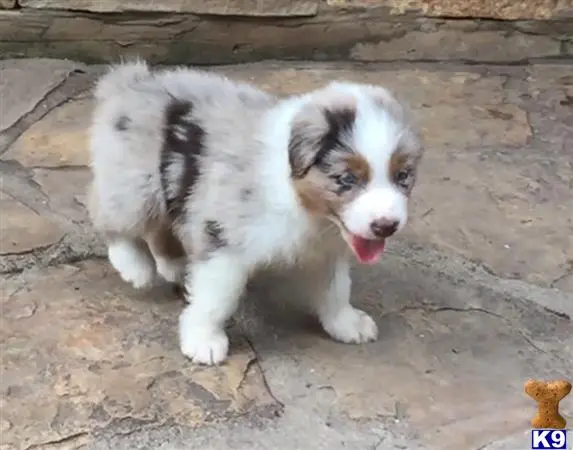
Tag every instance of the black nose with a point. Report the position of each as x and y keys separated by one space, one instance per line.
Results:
x=383 y=228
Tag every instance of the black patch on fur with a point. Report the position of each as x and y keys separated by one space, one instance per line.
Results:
x=186 y=138
x=215 y=235
x=246 y=194
x=122 y=123
x=339 y=121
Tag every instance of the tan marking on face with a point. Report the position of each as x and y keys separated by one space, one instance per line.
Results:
x=317 y=192
x=358 y=165
x=315 y=195
x=398 y=161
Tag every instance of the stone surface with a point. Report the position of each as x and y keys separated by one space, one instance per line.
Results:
x=220 y=7
x=25 y=82
x=7 y=4
x=86 y=353
x=485 y=46
x=67 y=198
x=451 y=360
x=59 y=139
x=89 y=362
x=332 y=34
x=23 y=230
x=486 y=9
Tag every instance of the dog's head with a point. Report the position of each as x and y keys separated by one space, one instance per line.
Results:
x=354 y=156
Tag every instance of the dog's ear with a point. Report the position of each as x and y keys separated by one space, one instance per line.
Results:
x=306 y=132
x=316 y=131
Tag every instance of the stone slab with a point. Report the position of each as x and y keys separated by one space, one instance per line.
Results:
x=484 y=46
x=25 y=82
x=59 y=139
x=485 y=9
x=23 y=230
x=272 y=8
x=87 y=361
x=454 y=350
x=332 y=34
x=68 y=198
x=81 y=352
x=7 y=4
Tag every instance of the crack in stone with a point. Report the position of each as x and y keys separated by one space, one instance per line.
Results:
x=378 y=443
x=508 y=322
x=64 y=440
x=568 y=272
x=61 y=168
x=42 y=108
x=42 y=257
x=487 y=444
x=252 y=362
x=32 y=251
x=436 y=309
x=256 y=362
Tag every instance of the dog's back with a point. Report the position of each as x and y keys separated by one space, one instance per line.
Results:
x=130 y=136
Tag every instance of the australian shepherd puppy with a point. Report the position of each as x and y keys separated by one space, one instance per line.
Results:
x=203 y=180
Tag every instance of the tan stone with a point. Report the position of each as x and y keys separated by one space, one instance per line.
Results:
x=331 y=34
x=23 y=229
x=457 y=99
x=80 y=350
x=67 y=198
x=59 y=139
x=7 y=4
x=221 y=7
x=24 y=83
x=69 y=27
x=448 y=350
x=486 y=46
x=495 y=9
x=487 y=9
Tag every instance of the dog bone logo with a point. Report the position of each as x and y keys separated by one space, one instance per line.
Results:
x=548 y=395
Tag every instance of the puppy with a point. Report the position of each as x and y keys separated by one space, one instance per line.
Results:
x=203 y=181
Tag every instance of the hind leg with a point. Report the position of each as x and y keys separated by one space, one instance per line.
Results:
x=133 y=260
x=170 y=257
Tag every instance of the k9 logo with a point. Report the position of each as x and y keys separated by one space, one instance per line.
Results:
x=548 y=439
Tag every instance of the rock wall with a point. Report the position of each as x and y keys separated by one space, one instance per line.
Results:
x=229 y=31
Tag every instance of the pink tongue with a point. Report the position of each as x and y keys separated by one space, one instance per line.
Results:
x=367 y=251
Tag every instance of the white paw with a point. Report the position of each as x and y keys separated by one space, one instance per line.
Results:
x=202 y=345
x=352 y=326
x=171 y=270
x=133 y=264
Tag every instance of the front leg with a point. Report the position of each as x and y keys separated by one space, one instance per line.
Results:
x=213 y=288
x=338 y=317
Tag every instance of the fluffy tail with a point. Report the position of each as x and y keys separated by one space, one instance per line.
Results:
x=121 y=77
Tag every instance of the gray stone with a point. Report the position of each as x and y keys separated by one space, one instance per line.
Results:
x=25 y=82
x=450 y=347
x=69 y=198
x=334 y=33
x=80 y=354
x=89 y=362
x=57 y=140
x=7 y=4
x=489 y=9
x=276 y=8
x=484 y=46
x=23 y=230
